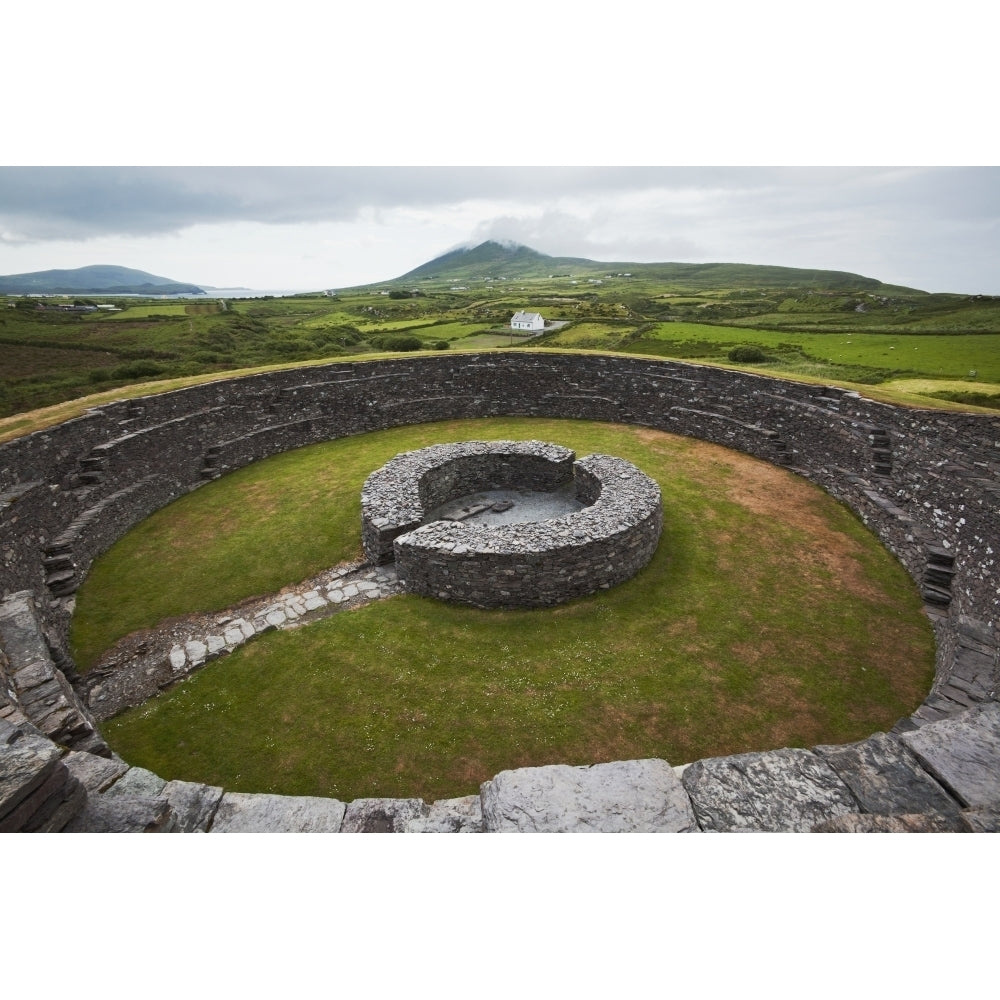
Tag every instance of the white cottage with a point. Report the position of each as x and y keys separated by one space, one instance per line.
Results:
x=527 y=321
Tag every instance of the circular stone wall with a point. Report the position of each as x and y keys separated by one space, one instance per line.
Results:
x=530 y=564
x=927 y=483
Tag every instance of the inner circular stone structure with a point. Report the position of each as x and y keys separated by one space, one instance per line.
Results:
x=538 y=563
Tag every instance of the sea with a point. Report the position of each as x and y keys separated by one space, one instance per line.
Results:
x=244 y=293
x=253 y=293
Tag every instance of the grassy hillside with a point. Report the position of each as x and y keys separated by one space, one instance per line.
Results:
x=99 y=278
x=506 y=262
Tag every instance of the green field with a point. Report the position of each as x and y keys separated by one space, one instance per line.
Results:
x=486 y=341
x=768 y=617
x=857 y=357
x=165 y=309
x=868 y=335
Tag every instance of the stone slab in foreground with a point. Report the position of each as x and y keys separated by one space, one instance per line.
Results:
x=382 y=815
x=963 y=753
x=124 y=814
x=631 y=796
x=246 y=812
x=776 y=791
x=900 y=823
x=38 y=793
x=193 y=804
x=461 y=815
x=886 y=778
x=138 y=781
x=95 y=773
x=982 y=820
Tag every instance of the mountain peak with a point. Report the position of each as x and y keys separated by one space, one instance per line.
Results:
x=491 y=258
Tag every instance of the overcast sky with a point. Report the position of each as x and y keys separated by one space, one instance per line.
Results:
x=447 y=82
x=326 y=227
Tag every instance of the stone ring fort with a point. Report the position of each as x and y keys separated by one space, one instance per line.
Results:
x=927 y=483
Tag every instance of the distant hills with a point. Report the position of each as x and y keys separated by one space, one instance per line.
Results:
x=491 y=259
x=511 y=260
x=98 y=279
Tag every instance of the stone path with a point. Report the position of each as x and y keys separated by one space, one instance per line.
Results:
x=139 y=666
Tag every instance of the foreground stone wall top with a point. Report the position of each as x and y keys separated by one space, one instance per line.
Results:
x=883 y=784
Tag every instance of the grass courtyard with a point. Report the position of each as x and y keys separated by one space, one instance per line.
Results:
x=768 y=617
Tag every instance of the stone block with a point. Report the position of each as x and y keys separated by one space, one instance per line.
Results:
x=61 y=807
x=42 y=693
x=124 y=814
x=138 y=781
x=982 y=820
x=382 y=815
x=899 y=823
x=246 y=812
x=461 y=815
x=886 y=778
x=632 y=796
x=963 y=753
x=787 y=790
x=37 y=791
x=27 y=761
x=96 y=773
x=193 y=804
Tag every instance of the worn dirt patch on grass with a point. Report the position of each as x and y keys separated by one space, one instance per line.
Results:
x=770 y=491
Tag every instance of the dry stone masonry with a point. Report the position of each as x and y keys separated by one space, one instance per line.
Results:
x=927 y=483
x=532 y=564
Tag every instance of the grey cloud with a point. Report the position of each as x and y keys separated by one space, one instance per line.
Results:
x=931 y=227
x=554 y=232
x=41 y=203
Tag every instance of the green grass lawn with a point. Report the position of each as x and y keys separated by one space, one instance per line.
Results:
x=416 y=326
x=768 y=617
x=487 y=341
x=858 y=357
x=144 y=311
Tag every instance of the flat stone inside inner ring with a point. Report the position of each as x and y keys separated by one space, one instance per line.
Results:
x=491 y=508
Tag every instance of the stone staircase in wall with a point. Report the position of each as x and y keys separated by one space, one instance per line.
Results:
x=64 y=560
x=829 y=402
x=971 y=679
x=881 y=450
x=93 y=469
x=211 y=467
x=65 y=557
x=938 y=574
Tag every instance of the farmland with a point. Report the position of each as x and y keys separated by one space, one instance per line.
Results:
x=869 y=338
